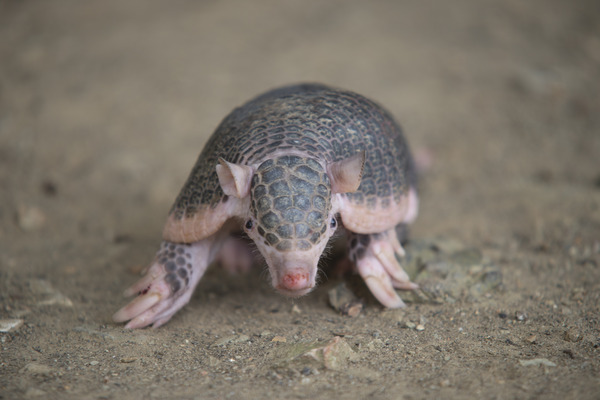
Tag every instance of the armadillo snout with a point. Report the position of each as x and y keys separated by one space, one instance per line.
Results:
x=295 y=283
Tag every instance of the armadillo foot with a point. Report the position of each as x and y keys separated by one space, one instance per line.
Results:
x=235 y=255
x=375 y=258
x=167 y=285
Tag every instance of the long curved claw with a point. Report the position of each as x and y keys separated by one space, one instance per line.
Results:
x=160 y=313
x=143 y=283
x=380 y=269
x=168 y=284
x=136 y=307
x=385 y=254
x=384 y=292
x=379 y=281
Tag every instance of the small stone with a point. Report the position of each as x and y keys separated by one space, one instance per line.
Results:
x=352 y=309
x=420 y=327
x=410 y=325
x=343 y=300
x=30 y=218
x=578 y=294
x=335 y=355
x=375 y=344
x=36 y=369
x=127 y=360
x=531 y=339
x=242 y=339
x=231 y=339
x=7 y=325
x=536 y=362
x=521 y=316
x=265 y=333
x=280 y=339
x=50 y=296
x=296 y=309
x=572 y=335
x=34 y=392
x=93 y=363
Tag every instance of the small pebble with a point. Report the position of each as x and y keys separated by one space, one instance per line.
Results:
x=7 y=325
x=410 y=325
x=343 y=300
x=30 y=218
x=37 y=369
x=420 y=327
x=352 y=309
x=281 y=339
x=537 y=361
x=127 y=360
x=94 y=362
x=34 y=392
x=531 y=339
x=572 y=335
x=231 y=339
x=521 y=316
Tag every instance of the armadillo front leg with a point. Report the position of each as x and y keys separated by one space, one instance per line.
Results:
x=168 y=283
x=375 y=258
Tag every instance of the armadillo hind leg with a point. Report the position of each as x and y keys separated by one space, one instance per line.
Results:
x=168 y=283
x=235 y=255
x=375 y=257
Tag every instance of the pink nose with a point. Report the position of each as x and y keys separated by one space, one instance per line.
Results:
x=295 y=281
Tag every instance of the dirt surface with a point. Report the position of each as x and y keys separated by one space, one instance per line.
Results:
x=105 y=105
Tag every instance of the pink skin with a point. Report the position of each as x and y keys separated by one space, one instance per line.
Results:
x=382 y=272
x=293 y=273
x=235 y=255
x=155 y=303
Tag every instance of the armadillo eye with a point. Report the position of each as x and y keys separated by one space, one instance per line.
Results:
x=333 y=223
x=249 y=224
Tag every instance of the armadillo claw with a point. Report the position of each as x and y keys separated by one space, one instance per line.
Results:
x=380 y=269
x=145 y=282
x=160 y=313
x=383 y=291
x=136 y=307
x=168 y=284
x=155 y=305
x=404 y=285
x=385 y=254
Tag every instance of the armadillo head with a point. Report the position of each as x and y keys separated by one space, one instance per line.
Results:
x=291 y=213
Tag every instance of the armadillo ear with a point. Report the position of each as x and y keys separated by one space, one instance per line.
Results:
x=345 y=175
x=234 y=178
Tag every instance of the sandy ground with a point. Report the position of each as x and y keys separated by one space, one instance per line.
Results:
x=105 y=105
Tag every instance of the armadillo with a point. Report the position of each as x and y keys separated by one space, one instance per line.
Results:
x=287 y=168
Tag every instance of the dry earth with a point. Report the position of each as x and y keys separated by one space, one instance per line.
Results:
x=104 y=106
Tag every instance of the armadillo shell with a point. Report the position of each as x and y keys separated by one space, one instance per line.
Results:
x=314 y=120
